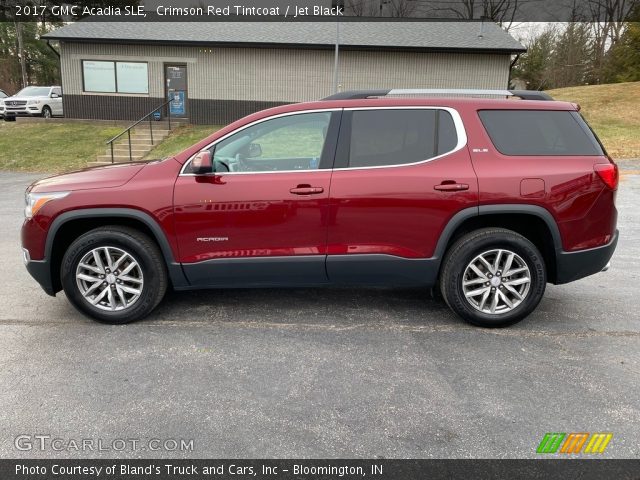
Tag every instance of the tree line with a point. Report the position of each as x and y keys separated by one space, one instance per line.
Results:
x=578 y=53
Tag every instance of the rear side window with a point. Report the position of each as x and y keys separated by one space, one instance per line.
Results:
x=393 y=137
x=539 y=132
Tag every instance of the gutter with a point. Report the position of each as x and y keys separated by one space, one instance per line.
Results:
x=511 y=65
x=53 y=49
x=301 y=46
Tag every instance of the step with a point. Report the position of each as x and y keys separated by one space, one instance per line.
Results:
x=137 y=141
x=134 y=145
x=143 y=136
x=145 y=131
x=125 y=153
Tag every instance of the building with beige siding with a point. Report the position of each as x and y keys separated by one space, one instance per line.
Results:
x=217 y=72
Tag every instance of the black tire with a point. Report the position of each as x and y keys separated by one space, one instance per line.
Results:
x=46 y=112
x=141 y=248
x=468 y=248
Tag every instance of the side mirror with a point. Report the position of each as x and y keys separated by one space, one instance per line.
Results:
x=55 y=95
x=202 y=163
x=255 y=150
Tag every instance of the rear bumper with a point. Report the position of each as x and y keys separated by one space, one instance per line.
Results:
x=576 y=265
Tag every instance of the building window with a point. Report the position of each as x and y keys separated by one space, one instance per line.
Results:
x=115 y=77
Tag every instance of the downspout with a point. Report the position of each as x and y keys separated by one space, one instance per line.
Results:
x=53 y=49
x=511 y=65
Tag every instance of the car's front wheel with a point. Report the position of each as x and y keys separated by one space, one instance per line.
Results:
x=46 y=112
x=493 y=277
x=114 y=274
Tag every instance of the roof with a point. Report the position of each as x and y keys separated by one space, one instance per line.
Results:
x=413 y=35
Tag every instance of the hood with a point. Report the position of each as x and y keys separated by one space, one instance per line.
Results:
x=110 y=176
x=23 y=98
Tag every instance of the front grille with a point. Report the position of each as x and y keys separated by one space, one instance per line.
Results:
x=15 y=103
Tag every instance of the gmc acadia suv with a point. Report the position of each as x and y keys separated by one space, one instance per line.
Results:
x=487 y=199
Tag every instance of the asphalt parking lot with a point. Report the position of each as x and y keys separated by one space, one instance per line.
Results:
x=322 y=373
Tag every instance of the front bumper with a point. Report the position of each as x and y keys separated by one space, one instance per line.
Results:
x=22 y=111
x=576 y=265
x=40 y=270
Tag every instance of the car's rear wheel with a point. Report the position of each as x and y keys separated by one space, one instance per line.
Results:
x=46 y=112
x=493 y=277
x=114 y=274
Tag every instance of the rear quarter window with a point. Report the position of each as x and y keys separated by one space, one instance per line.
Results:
x=539 y=132
x=388 y=137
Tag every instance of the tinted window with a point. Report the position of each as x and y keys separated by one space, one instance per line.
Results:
x=292 y=142
x=539 y=132
x=394 y=137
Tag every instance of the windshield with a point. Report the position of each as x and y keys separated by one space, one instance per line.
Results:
x=34 y=92
x=2 y=94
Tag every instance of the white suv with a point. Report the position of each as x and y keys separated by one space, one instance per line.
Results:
x=34 y=102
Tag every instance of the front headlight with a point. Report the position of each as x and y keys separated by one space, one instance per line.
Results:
x=35 y=201
x=33 y=102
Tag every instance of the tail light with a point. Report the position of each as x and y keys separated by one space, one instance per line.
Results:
x=608 y=173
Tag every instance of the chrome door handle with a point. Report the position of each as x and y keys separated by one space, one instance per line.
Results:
x=306 y=190
x=451 y=187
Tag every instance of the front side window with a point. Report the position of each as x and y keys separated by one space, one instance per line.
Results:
x=387 y=137
x=115 y=77
x=539 y=132
x=293 y=142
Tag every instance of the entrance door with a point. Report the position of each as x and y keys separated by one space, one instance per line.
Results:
x=176 y=89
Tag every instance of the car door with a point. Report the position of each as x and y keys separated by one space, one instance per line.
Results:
x=260 y=217
x=56 y=102
x=401 y=174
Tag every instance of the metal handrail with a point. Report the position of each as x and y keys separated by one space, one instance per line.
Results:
x=128 y=129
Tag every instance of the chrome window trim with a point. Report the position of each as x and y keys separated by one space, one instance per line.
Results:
x=256 y=122
x=457 y=121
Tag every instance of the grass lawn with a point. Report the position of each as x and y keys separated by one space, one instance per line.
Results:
x=613 y=111
x=181 y=138
x=51 y=147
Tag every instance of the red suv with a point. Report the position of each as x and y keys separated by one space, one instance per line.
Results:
x=487 y=199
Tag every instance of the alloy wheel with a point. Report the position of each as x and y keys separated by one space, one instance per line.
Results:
x=109 y=278
x=496 y=281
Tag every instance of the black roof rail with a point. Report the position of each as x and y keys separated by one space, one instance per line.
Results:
x=531 y=95
x=357 y=94
x=361 y=94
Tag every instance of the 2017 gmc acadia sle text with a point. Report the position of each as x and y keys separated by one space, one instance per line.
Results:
x=487 y=199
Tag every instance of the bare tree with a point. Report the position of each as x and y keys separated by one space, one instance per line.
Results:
x=502 y=12
x=399 y=8
x=23 y=60
x=362 y=8
x=607 y=19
